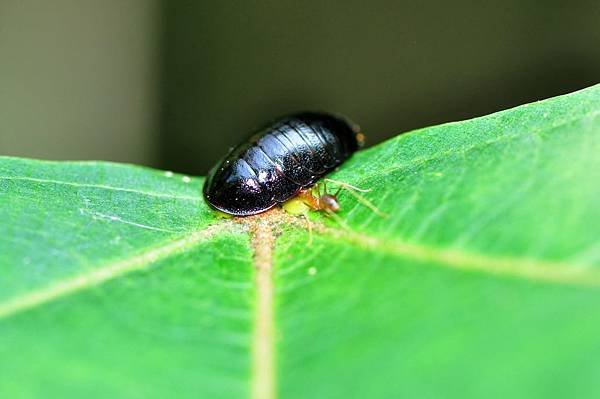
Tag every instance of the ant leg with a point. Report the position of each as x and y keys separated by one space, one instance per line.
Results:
x=368 y=204
x=338 y=219
x=309 y=227
x=348 y=186
x=353 y=191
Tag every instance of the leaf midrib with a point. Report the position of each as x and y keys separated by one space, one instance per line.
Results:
x=458 y=259
x=262 y=240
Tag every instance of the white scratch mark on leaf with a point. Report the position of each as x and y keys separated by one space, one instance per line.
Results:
x=102 y=187
x=114 y=218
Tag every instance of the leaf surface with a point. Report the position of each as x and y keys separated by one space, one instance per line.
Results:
x=483 y=281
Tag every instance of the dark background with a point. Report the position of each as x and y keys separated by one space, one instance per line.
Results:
x=173 y=84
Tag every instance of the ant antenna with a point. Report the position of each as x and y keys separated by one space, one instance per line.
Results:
x=325 y=187
x=353 y=191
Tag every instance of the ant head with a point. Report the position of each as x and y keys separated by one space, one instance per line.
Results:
x=330 y=203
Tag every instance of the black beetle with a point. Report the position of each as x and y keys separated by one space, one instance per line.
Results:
x=279 y=161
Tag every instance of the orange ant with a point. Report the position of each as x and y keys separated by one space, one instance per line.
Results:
x=318 y=198
x=320 y=202
x=329 y=202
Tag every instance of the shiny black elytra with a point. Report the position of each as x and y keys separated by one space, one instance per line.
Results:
x=278 y=161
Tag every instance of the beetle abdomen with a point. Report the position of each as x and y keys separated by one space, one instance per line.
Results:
x=278 y=161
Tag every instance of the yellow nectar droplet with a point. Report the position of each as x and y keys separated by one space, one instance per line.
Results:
x=295 y=206
x=222 y=215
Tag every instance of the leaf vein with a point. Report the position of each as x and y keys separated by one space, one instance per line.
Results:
x=105 y=273
x=526 y=268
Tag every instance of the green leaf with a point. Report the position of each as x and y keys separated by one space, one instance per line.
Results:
x=482 y=281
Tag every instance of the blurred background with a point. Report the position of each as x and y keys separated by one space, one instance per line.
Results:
x=174 y=84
